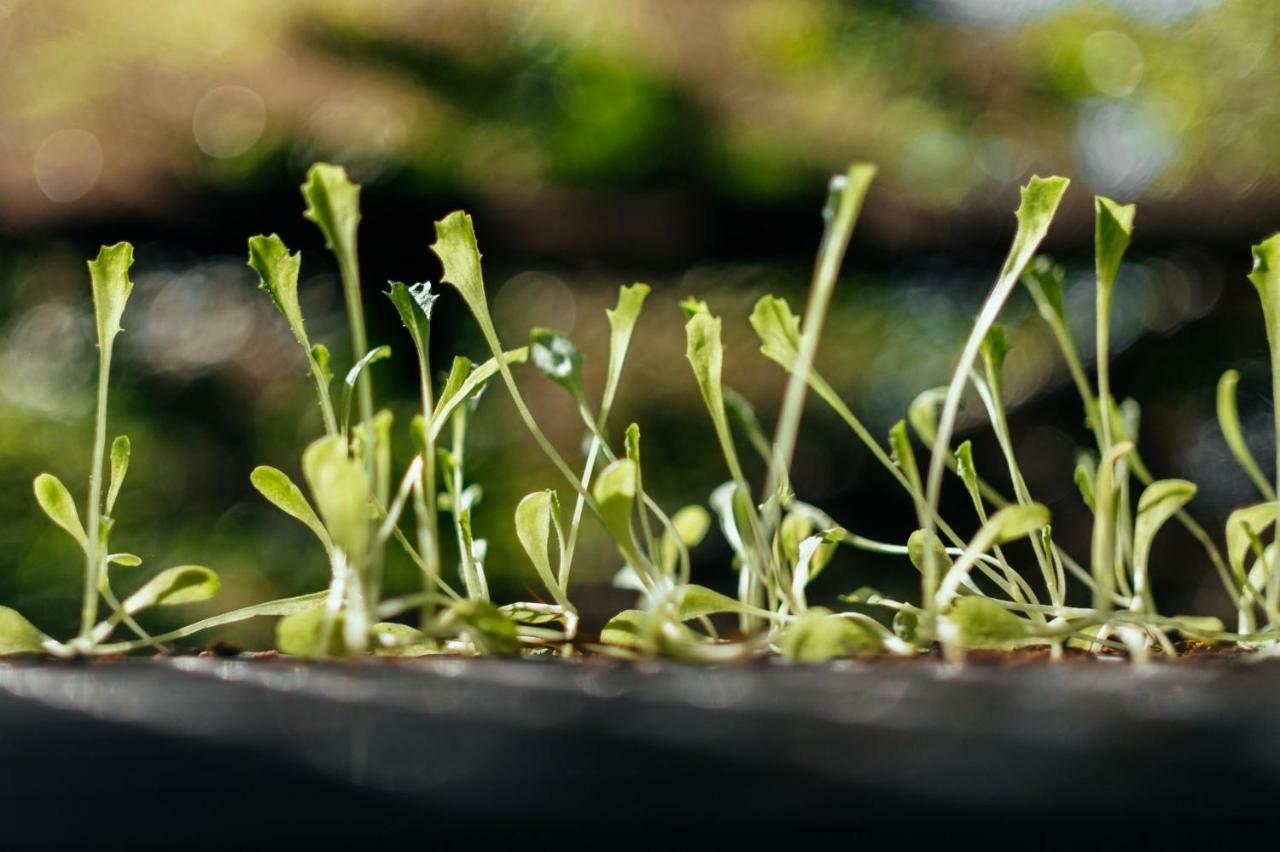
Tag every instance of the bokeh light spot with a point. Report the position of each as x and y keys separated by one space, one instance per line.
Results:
x=228 y=121
x=68 y=164
x=1113 y=62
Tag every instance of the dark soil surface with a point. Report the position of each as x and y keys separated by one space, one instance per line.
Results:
x=216 y=749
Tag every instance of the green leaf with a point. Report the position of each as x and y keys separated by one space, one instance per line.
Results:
x=320 y=363
x=462 y=385
x=109 y=277
x=56 y=502
x=1243 y=526
x=902 y=454
x=1045 y=279
x=488 y=627
x=922 y=414
x=19 y=636
x=278 y=488
x=995 y=348
x=533 y=529
x=706 y=355
x=120 y=449
x=743 y=416
x=626 y=629
x=414 y=305
x=615 y=494
x=1009 y=524
x=342 y=493
x=1266 y=278
x=181 y=585
x=622 y=323
x=1160 y=501
x=302 y=634
x=1113 y=228
x=378 y=353
x=1015 y=522
x=818 y=636
x=401 y=640
x=692 y=305
x=333 y=203
x=691 y=524
x=1229 y=422
x=278 y=275
x=915 y=550
x=1085 y=474
x=456 y=247
x=695 y=601
x=555 y=356
x=861 y=595
x=967 y=472
x=127 y=560
x=778 y=329
x=978 y=622
x=1040 y=200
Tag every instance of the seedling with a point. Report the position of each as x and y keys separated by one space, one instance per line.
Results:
x=109 y=278
x=974 y=591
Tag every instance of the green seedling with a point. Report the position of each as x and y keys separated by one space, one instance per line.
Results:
x=975 y=594
x=111 y=286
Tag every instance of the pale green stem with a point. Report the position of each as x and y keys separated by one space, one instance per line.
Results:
x=94 y=546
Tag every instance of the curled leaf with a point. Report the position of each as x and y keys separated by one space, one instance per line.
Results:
x=333 y=203
x=1229 y=422
x=120 y=449
x=278 y=275
x=533 y=529
x=181 y=585
x=456 y=247
x=555 y=356
x=109 y=277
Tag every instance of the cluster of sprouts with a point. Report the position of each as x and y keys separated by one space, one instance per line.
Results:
x=973 y=593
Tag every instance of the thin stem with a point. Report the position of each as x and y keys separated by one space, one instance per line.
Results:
x=95 y=546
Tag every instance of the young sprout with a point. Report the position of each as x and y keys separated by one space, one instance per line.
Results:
x=1040 y=199
x=111 y=286
x=846 y=194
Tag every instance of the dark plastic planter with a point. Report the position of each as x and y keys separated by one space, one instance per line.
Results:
x=223 y=753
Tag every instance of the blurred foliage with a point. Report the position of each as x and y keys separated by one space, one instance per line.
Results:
x=751 y=100
x=587 y=131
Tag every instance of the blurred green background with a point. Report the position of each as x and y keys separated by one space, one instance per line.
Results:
x=686 y=144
